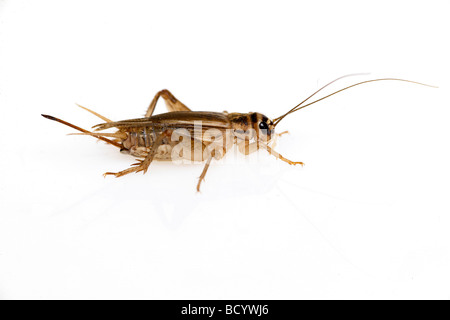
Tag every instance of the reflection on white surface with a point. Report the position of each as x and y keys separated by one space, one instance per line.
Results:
x=367 y=217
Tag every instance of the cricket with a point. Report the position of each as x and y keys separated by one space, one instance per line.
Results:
x=195 y=136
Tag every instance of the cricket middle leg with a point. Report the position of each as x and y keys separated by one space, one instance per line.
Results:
x=205 y=169
x=217 y=153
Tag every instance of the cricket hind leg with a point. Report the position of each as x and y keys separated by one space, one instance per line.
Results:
x=123 y=172
x=172 y=103
x=141 y=165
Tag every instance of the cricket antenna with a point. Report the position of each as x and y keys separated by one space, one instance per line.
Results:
x=301 y=106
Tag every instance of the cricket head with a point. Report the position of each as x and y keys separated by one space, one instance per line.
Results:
x=252 y=125
x=264 y=127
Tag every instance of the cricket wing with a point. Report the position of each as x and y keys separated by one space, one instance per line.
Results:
x=173 y=120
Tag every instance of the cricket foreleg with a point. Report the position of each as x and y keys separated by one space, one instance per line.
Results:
x=172 y=103
x=247 y=148
x=279 y=156
x=282 y=133
x=275 y=138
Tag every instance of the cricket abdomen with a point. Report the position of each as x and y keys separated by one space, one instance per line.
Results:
x=140 y=141
x=139 y=138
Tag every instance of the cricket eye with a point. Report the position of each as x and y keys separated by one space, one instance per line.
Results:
x=263 y=126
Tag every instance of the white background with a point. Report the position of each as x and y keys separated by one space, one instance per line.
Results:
x=367 y=217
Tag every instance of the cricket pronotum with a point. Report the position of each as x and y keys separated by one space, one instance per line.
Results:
x=194 y=135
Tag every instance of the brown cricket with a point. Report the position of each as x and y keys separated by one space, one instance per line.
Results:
x=194 y=135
